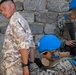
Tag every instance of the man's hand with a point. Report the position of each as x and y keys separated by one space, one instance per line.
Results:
x=25 y=71
x=70 y=43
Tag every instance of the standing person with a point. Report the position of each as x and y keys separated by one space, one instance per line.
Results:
x=18 y=41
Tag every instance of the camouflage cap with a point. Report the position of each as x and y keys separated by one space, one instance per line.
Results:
x=2 y=1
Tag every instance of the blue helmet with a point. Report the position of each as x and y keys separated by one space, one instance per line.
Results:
x=72 y=4
x=48 y=42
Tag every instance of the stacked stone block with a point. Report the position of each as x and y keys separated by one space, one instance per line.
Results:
x=41 y=15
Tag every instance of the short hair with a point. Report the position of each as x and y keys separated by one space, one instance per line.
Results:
x=2 y=1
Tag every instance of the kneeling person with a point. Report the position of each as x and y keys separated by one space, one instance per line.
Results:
x=59 y=63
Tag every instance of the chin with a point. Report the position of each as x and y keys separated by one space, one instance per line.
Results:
x=6 y=16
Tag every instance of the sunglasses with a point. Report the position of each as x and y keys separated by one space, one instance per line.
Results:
x=44 y=53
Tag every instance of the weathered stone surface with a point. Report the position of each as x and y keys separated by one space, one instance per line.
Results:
x=37 y=37
x=28 y=16
x=58 y=5
x=19 y=5
x=3 y=24
x=3 y=19
x=36 y=28
x=34 y=4
x=3 y=29
x=40 y=14
x=50 y=28
x=38 y=55
x=46 y=17
x=1 y=41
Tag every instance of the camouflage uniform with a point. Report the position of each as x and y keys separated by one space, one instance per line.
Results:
x=61 y=67
x=17 y=36
x=62 y=31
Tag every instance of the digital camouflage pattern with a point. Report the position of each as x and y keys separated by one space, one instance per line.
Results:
x=65 y=31
x=61 y=67
x=18 y=36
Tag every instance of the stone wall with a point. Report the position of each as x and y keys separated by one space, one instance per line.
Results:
x=41 y=15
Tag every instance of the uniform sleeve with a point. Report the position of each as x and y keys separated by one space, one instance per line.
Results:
x=22 y=34
x=60 y=36
x=27 y=30
x=63 y=42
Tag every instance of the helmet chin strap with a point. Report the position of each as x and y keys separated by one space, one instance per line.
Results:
x=53 y=56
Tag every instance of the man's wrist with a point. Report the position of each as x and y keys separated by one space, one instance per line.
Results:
x=24 y=65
